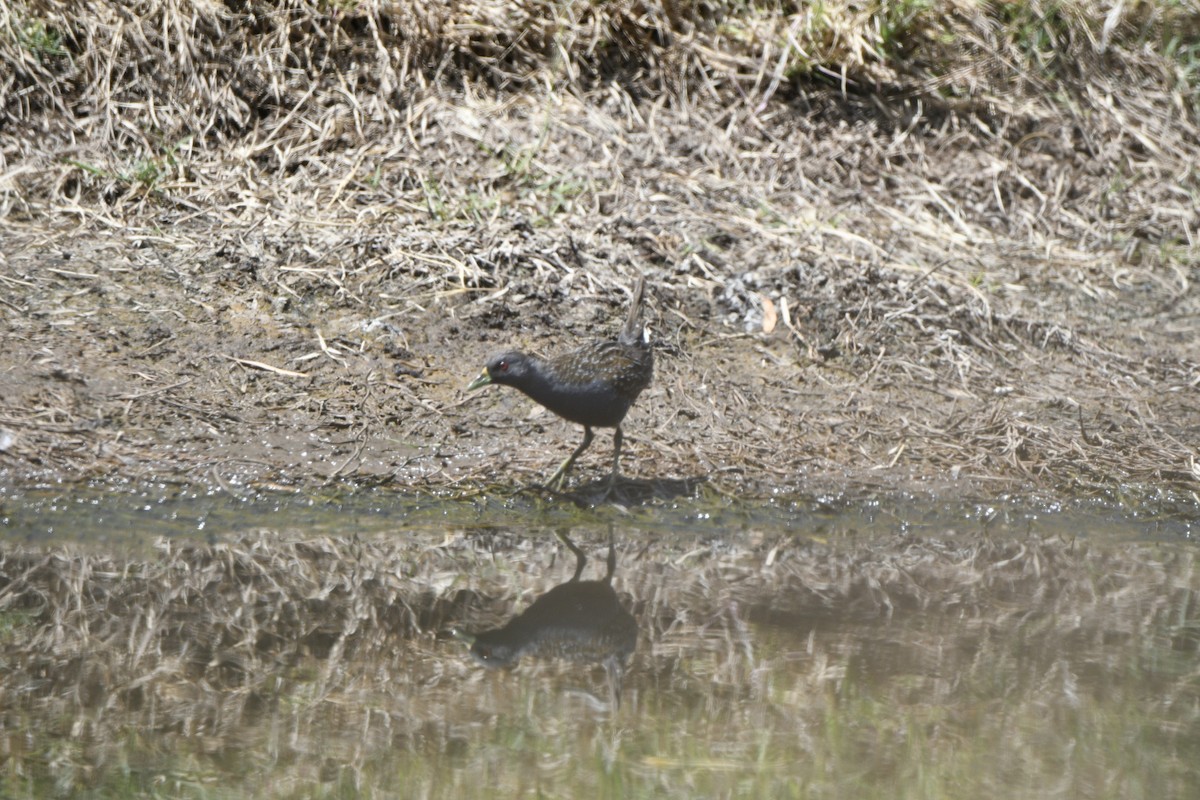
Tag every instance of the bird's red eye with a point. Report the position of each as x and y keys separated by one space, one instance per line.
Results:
x=502 y=366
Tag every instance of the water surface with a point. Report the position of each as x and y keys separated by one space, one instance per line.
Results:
x=189 y=643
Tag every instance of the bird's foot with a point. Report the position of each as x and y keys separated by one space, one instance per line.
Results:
x=610 y=486
x=556 y=481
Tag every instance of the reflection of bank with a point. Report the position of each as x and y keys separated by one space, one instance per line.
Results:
x=580 y=621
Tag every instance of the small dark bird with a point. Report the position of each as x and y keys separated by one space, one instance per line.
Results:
x=580 y=621
x=594 y=385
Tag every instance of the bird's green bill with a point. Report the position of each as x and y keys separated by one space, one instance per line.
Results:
x=462 y=635
x=483 y=380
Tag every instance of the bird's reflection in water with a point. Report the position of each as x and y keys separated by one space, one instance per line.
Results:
x=579 y=621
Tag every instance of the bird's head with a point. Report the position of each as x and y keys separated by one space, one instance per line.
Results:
x=489 y=649
x=505 y=368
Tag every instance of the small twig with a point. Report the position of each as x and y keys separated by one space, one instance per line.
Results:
x=150 y=392
x=1087 y=437
x=246 y=362
x=362 y=443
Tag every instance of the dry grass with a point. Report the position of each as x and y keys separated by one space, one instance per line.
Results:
x=928 y=240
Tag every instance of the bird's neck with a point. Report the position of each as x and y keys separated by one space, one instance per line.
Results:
x=541 y=384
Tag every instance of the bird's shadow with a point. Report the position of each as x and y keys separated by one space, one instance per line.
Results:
x=628 y=491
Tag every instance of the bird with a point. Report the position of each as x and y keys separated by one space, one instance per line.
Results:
x=578 y=621
x=594 y=385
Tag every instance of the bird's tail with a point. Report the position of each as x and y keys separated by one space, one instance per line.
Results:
x=632 y=332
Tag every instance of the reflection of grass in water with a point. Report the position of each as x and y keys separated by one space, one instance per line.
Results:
x=1087 y=689
x=981 y=732
x=1019 y=717
x=852 y=740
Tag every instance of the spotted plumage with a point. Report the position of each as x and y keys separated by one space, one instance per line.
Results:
x=594 y=385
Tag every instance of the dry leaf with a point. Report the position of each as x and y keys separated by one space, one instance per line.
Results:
x=770 y=317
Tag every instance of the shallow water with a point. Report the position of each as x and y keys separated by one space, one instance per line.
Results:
x=140 y=514
x=828 y=647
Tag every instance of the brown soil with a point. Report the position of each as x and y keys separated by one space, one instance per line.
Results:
x=848 y=287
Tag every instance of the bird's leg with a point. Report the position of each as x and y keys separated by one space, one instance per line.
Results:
x=611 y=563
x=614 y=670
x=580 y=556
x=560 y=476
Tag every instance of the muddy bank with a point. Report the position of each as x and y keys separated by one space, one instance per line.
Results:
x=189 y=361
x=852 y=283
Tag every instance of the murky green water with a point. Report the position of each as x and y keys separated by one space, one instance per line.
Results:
x=187 y=644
